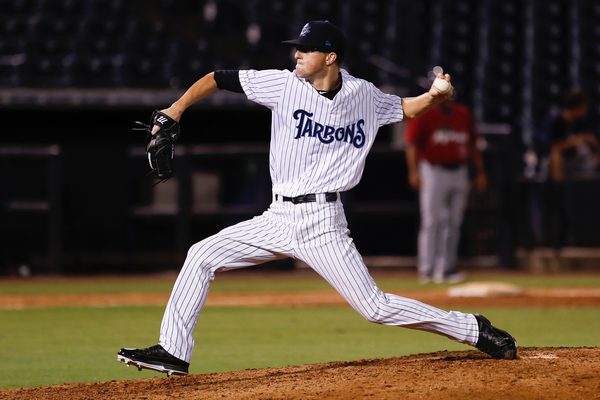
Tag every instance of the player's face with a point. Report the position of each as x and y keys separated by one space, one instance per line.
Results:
x=309 y=62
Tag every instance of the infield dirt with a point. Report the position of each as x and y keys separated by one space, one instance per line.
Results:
x=538 y=373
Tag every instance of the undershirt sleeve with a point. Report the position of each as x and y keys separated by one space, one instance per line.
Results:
x=229 y=79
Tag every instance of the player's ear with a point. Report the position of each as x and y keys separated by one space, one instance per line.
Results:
x=330 y=59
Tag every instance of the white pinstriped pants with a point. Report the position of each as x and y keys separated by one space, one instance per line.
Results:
x=317 y=234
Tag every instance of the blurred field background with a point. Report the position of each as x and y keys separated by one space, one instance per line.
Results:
x=55 y=345
x=93 y=67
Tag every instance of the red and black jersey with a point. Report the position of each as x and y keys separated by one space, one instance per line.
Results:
x=442 y=135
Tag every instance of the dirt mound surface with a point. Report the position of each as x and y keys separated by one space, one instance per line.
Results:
x=538 y=373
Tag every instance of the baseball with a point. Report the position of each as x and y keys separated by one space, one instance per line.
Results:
x=442 y=85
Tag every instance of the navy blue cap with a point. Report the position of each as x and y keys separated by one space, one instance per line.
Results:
x=322 y=35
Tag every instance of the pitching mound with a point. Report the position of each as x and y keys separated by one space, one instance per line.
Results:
x=538 y=373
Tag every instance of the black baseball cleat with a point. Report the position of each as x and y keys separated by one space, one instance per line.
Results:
x=155 y=358
x=493 y=341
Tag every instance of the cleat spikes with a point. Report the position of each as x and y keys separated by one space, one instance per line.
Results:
x=154 y=358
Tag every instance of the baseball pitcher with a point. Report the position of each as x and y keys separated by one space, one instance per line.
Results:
x=324 y=122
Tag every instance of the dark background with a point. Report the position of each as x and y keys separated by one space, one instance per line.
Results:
x=101 y=183
x=78 y=73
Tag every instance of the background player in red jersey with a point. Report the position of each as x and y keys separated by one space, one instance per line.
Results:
x=440 y=144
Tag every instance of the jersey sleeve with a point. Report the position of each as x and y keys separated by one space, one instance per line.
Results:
x=264 y=87
x=388 y=107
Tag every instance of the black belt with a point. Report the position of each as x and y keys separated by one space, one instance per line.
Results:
x=309 y=198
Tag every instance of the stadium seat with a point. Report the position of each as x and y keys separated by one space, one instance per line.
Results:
x=57 y=26
x=9 y=75
x=144 y=28
x=49 y=45
x=11 y=46
x=188 y=69
x=98 y=45
x=107 y=7
x=142 y=72
x=179 y=7
x=21 y=7
x=94 y=71
x=13 y=26
x=64 y=7
x=321 y=9
x=106 y=26
x=149 y=45
x=45 y=71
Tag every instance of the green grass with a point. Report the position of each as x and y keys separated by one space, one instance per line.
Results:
x=225 y=283
x=77 y=286
x=51 y=346
x=57 y=345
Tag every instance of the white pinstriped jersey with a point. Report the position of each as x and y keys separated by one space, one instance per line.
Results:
x=319 y=145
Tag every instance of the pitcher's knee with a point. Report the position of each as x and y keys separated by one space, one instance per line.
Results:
x=205 y=248
x=371 y=318
x=372 y=314
x=200 y=256
x=195 y=249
